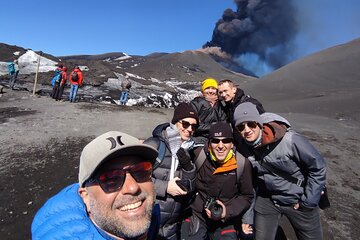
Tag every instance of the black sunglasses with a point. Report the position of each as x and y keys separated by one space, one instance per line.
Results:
x=113 y=180
x=224 y=140
x=186 y=124
x=241 y=126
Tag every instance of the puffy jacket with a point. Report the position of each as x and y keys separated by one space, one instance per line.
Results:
x=170 y=207
x=80 y=76
x=64 y=216
x=290 y=152
x=207 y=115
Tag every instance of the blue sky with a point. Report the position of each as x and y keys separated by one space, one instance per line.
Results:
x=141 y=27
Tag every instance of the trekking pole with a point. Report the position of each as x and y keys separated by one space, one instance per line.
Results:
x=36 y=75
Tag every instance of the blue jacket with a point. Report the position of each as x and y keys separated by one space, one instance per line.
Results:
x=11 y=68
x=64 y=216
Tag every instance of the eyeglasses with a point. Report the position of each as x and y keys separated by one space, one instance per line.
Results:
x=113 y=180
x=241 y=126
x=224 y=140
x=186 y=124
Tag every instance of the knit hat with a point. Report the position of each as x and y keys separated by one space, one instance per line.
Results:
x=247 y=112
x=220 y=129
x=184 y=110
x=109 y=146
x=209 y=82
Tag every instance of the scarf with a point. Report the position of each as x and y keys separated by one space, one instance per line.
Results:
x=227 y=165
x=257 y=142
x=174 y=143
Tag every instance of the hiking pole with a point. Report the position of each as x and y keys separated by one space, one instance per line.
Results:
x=36 y=75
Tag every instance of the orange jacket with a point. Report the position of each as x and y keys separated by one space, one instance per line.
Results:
x=63 y=76
x=80 y=75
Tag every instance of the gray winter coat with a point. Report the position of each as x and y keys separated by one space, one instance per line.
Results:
x=170 y=207
x=290 y=152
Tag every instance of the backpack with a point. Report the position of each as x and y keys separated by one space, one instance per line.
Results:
x=74 y=76
x=57 y=77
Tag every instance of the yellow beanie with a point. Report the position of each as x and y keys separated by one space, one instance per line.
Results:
x=209 y=82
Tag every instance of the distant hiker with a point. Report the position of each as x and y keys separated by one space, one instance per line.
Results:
x=208 y=109
x=231 y=96
x=13 y=71
x=125 y=89
x=76 y=80
x=55 y=82
x=174 y=143
x=60 y=89
x=222 y=196
x=114 y=198
x=290 y=174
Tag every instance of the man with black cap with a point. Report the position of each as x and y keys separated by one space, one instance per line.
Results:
x=174 y=142
x=114 y=198
x=223 y=197
x=290 y=172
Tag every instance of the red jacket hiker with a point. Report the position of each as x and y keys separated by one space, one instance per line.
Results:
x=80 y=77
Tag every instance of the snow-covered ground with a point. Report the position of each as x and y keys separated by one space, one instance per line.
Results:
x=152 y=95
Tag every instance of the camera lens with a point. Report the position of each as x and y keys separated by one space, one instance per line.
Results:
x=216 y=210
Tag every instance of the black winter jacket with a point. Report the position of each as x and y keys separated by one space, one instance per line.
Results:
x=223 y=186
x=207 y=115
x=170 y=207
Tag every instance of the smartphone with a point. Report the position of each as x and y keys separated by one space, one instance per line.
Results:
x=184 y=184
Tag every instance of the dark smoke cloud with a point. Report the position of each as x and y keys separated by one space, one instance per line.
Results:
x=266 y=28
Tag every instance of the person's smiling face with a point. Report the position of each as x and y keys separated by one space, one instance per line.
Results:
x=250 y=131
x=186 y=127
x=127 y=211
x=221 y=147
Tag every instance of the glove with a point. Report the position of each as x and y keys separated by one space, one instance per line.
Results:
x=184 y=159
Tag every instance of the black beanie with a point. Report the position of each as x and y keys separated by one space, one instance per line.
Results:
x=220 y=129
x=184 y=110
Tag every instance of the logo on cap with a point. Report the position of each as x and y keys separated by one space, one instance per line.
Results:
x=113 y=142
x=218 y=134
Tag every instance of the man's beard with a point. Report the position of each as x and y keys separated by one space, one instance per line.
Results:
x=108 y=221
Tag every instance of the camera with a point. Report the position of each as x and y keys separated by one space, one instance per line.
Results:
x=215 y=208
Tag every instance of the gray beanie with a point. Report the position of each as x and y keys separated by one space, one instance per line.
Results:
x=247 y=112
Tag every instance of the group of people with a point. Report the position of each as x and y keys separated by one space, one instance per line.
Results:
x=60 y=79
x=217 y=170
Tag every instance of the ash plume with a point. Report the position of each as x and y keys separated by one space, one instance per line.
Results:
x=264 y=28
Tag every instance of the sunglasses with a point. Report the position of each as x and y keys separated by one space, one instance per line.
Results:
x=113 y=180
x=241 y=126
x=186 y=124
x=224 y=140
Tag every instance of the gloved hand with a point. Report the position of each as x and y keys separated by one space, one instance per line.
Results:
x=184 y=159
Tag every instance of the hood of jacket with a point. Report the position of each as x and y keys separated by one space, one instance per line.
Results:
x=159 y=129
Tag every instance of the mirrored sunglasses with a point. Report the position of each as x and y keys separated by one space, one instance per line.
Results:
x=186 y=124
x=224 y=140
x=113 y=180
x=241 y=126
